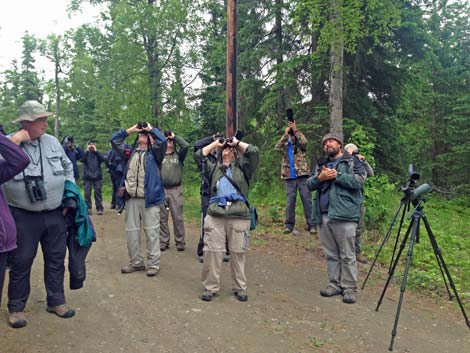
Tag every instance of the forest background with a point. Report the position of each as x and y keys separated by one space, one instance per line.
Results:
x=404 y=97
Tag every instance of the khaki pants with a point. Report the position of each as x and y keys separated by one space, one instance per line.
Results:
x=174 y=197
x=150 y=217
x=216 y=231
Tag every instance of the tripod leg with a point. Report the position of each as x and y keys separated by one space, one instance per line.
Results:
x=394 y=265
x=409 y=255
x=438 y=254
x=387 y=235
x=398 y=236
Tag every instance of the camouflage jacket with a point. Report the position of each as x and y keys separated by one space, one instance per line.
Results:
x=300 y=156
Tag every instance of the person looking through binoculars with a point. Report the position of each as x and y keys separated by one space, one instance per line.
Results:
x=93 y=176
x=73 y=152
x=294 y=170
x=228 y=215
x=142 y=190
x=172 y=176
x=35 y=198
x=338 y=182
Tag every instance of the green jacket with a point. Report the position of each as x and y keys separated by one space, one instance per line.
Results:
x=243 y=169
x=345 y=191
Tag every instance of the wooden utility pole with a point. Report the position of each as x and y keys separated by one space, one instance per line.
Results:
x=231 y=88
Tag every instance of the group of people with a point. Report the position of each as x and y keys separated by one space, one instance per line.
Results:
x=38 y=176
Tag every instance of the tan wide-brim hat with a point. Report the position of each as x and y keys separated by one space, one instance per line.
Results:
x=30 y=111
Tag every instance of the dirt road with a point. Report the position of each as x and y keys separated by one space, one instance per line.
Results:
x=285 y=313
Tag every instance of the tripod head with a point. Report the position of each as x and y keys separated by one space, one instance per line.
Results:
x=412 y=192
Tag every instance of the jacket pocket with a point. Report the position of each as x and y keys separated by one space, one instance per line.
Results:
x=346 y=207
x=55 y=162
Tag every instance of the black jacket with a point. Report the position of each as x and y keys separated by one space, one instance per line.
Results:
x=92 y=165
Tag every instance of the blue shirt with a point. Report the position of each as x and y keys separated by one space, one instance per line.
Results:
x=292 y=175
x=226 y=191
x=325 y=189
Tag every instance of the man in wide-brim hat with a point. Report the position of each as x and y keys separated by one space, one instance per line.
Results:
x=35 y=198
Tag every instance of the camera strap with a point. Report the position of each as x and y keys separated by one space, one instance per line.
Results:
x=32 y=160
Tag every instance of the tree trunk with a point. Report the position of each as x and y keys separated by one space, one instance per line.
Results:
x=231 y=88
x=281 y=104
x=336 y=74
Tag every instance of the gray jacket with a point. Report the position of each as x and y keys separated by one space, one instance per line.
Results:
x=46 y=151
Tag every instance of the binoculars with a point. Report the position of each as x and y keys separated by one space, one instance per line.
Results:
x=167 y=133
x=35 y=188
x=142 y=124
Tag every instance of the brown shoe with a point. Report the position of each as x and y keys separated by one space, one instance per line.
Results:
x=131 y=268
x=17 y=320
x=152 y=271
x=61 y=311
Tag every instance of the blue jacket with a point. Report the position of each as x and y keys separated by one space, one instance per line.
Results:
x=153 y=188
x=74 y=154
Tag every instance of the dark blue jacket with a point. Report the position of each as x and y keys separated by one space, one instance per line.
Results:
x=153 y=188
x=74 y=154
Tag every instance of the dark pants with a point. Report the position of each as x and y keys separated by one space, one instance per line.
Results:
x=88 y=185
x=116 y=178
x=292 y=185
x=3 y=267
x=77 y=256
x=50 y=230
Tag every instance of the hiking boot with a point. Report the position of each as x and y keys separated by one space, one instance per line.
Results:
x=17 y=320
x=241 y=295
x=163 y=247
x=61 y=311
x=113 y=207
x=99 y=212
x=200 y=259
x=131 y=268
x=152 y=271
x=226 y=258
x=350 y=296
x=180 y=247
x=90 y=212
x=361 y=258
x=329 y=291
x=207 y=296
x=312 y=230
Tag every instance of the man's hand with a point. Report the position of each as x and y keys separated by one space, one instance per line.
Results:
x=20 y=136
x=361 y=157
x=327 y=174
x=132 y=129
x=234 y=142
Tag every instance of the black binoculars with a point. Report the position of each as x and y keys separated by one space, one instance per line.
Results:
x=35 y=188
x=167 y=133
x=142 y=124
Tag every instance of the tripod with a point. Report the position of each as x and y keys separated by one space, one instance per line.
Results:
x=412 y=233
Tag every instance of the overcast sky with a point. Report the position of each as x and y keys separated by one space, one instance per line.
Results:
x=39 y=18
